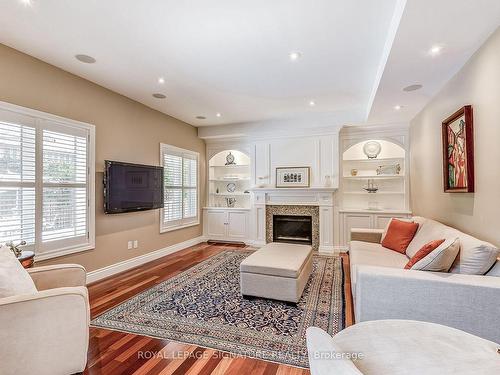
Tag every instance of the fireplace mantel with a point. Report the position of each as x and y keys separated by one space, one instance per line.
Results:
x=320 y=197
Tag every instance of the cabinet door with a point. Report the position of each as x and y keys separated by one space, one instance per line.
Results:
x=216 y=224
x=355 y=221
x=381 y=221
x=237 y=225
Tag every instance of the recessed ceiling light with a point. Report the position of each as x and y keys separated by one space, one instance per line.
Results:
x=294 y=56
x=201 y=117
x=159 y=96
x=26 y=2
x=435 y=50
x=397 y=107
x=218 y=114
x=312 y=103
x=85 y=59
x=161 y=80
x=412 y=88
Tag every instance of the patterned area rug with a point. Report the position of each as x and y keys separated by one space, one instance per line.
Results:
x=202 y=306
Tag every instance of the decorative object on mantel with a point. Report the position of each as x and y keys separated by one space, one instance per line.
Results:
x=372 y=149
x=328 y=181
x=217 y=190
x=458 y=152
x=389 y=169
x=230 y=202
x=231 y=187
x=371 y=187
x=354 y=172
x=292 y=177
x=230 y=159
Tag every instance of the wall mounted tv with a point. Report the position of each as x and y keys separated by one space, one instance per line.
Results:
x=132 y=187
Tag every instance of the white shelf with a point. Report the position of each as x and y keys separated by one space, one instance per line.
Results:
x=235 y=194
x=227 y=208
x=228 y=180
x=383 y=160
x=378 y=192
x=230 y=166
x=375 y=177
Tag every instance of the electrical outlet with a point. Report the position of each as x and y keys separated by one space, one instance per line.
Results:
x=129 y=245
x=136 y=244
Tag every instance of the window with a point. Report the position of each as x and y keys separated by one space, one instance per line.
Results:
x=46 y=182
x=180 y=208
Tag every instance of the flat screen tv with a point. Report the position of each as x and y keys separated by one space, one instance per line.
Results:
x=132 y=187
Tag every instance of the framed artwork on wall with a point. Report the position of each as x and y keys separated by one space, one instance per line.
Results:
x=458 y=152
x=292 y=177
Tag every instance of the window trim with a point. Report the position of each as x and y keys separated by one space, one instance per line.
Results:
x=39 y=117
x=183 y=223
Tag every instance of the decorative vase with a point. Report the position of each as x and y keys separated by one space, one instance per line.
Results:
x=354 y=172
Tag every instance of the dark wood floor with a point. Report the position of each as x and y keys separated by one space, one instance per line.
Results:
x=116 y=353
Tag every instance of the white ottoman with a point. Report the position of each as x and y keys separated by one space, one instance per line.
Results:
x=400 y=347
x=278 y=271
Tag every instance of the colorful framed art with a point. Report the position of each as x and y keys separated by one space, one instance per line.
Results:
x=458 y=152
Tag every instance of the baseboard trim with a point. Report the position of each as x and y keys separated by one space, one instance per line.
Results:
x=125 y=265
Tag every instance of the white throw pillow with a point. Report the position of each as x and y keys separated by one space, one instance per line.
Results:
x=441 y=258
x=14 y=279
x=476 y=256
x=495 y=270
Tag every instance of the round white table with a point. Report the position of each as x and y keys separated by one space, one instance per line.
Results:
x=403 y=347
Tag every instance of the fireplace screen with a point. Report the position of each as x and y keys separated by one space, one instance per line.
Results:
x=292 y=229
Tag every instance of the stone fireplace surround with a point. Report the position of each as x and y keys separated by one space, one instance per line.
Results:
x=316 y=201
x=292 y=210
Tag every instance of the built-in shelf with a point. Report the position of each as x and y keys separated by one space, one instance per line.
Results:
x=228 y=180
x=227 y=208
x=378 y=192
x=235 y=194
x=230 y=166
x=375 y=177
x=383 y=160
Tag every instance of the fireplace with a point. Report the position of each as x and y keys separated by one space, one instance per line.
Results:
x=292 y=229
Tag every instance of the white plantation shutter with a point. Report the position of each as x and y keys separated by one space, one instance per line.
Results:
x=64 y=186
x=17 y=179
x=180 y=207
x=46 y=182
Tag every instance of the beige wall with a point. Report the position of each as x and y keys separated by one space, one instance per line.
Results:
x=125 y=131
x=478 y=84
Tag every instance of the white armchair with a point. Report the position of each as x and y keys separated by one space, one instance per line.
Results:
x=46 y=332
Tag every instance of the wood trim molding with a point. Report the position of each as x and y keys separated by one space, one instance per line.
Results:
x=125 y=265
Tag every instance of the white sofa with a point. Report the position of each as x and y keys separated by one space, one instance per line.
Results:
x=383 y=289
x=46 y=332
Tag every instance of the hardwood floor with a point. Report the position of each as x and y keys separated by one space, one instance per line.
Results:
x=117 y=353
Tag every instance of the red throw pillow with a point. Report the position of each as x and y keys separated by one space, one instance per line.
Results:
x=399 y=235
x=423 y=252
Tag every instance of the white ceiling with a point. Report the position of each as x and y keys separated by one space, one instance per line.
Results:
x=231 y=56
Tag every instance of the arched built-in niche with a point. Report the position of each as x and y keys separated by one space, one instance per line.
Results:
x=229 y=179
x=378 y=183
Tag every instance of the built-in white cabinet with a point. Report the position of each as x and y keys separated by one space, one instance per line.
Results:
x=226 y=224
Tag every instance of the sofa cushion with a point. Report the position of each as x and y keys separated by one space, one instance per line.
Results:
x=372 y=254
x=423 y=252
x=14 y=279
x=399 y=235
x=475 y=257
x=441 y=258
x=277 y=259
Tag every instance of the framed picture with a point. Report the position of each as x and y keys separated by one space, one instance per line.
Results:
x=292 y=177
x=458 y=152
